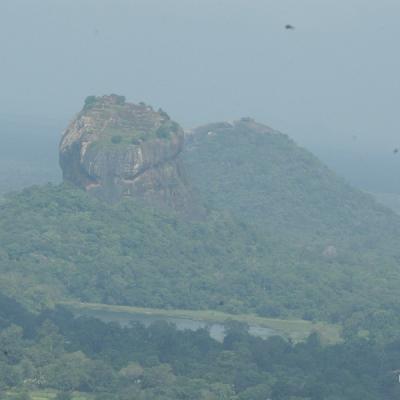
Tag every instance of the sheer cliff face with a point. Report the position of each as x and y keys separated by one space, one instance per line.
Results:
x=115 y=149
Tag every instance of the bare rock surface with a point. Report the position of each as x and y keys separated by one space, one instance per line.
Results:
x=114 y=149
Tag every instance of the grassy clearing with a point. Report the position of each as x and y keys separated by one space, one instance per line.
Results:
x=295 y=329
x=49 y=395
x=43 y=394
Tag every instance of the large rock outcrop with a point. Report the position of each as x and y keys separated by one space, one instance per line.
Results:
x=115 y=149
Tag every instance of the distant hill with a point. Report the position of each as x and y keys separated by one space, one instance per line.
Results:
x=263 y=177
x=18 y=174
x=390 y=200
x=28 y=152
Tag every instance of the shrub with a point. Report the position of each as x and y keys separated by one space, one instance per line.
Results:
x=163 y=113
x=120 y=100
x=116 y=139
x=166 y=129
x=163 y=132
x=64 y=396
x=90 y=101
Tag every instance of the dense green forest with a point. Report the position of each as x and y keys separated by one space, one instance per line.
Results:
x=265 y=178
x=53 y=350
x=58 y=243
x=281 y=237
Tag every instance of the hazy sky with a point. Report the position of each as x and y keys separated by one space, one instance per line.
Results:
x=332 y=83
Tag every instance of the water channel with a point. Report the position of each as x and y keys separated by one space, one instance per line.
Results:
x=216 y=329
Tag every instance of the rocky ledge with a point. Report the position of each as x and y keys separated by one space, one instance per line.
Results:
x=114 y=149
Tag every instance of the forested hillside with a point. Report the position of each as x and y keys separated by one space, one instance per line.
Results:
x=263 y=177
x=57 y=356
x=281 y=236
x=390 y=200
x=58 y=243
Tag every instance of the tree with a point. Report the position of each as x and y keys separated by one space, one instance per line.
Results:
x=258 y=392
x=132 y=372
x=116 y=139
x=64 y=396
x=69 y=372
x=11 y=345
x=160 y=375
x=90 y=101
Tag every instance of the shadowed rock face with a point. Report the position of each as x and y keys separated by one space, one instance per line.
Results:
x=114 y=149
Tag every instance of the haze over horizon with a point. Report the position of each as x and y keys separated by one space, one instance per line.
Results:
x=331 y=84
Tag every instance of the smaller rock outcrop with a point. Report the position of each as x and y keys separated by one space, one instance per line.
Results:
x=114 y=149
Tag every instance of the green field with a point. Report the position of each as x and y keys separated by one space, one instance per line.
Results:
x=295 y=329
